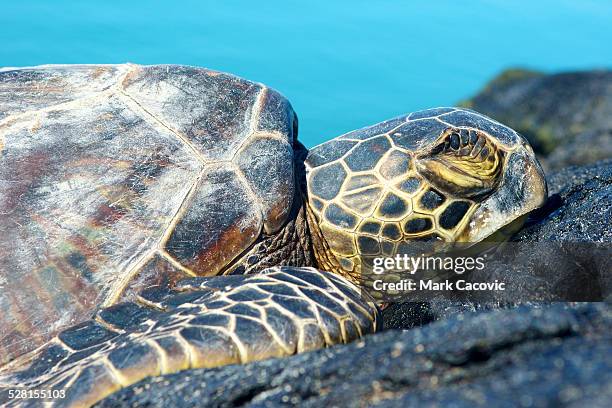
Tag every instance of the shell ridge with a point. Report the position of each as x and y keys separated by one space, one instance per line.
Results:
x=144 y=112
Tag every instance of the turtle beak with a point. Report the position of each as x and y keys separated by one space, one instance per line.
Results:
x=522 y=190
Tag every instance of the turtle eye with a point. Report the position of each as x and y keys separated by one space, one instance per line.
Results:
x=462 y=142
x=465 y=163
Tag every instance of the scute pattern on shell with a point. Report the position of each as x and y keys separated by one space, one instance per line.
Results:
x=107 y=170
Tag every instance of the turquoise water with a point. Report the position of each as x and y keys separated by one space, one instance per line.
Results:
x=343 y=64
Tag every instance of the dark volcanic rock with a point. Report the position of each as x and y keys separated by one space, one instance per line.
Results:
x=556 y=355
x=579 y=207
x=586 y=147
x=567 y=117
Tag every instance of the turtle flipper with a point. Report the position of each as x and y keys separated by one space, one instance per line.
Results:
x=203 y=322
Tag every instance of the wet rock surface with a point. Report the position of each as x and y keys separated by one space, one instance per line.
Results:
x=567 y=117
x=474 y=352
x=549 y=356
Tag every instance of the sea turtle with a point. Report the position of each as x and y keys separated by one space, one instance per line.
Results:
x=125 y=190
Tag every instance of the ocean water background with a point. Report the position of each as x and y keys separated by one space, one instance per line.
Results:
x=343 y=64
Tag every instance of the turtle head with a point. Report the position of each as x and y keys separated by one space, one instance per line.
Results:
x=442 y=175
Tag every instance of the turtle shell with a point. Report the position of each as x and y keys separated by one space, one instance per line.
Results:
x=117 y=177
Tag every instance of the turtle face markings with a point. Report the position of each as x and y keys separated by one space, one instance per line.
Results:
x=430 y=200
x=365 y=155
x=441 y=167
x=418 y=224
x=396 y=164
x=371 y=227
x=393 y=207
x=326 y=182
x=339 y=217
x=392 y=231
x=409 y=185
x=361 y=181
x=453 y=214
x=362 y=201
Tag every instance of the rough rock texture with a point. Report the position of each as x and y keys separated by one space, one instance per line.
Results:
x=567 y=117
x=460 y=353
x=579 y=207
x=586 y=147
x=556 y=355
